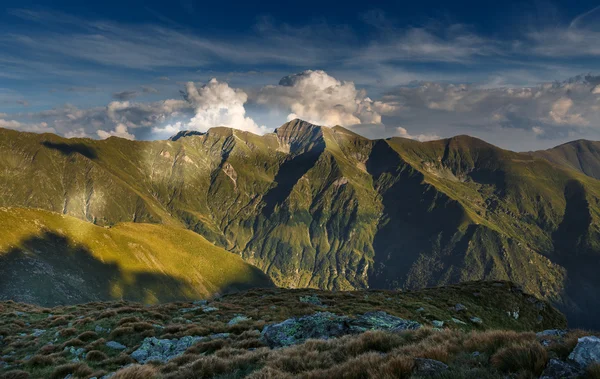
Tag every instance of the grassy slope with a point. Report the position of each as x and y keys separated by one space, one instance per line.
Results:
x=327 y=208
x=49 y=259
x=130 y=323
x=580 y=155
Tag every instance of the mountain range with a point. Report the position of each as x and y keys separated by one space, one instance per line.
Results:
x=309 y=206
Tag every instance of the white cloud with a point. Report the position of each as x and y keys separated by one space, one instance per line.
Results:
x=402 y=132
x=40 y=127
x=119 y=131
x=215 y=104
x=321 y=99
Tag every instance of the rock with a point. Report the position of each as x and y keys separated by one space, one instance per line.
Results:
x=437 y=323
x=163 y=350
x=513 y=314
x=38 y=332
x=200 y=302
x=237 y=319
x=428 y=367
x=115 y=345
x=564 y=370
x=311 y=299
x=207 y=309
x=99 y=329
x=76 y=352
x=326 y=325
x=460 y=307
x=587 y=351
x=420 y=310
x=187 y=310
x=457 y=321
x=476 y=320
x=552 y=333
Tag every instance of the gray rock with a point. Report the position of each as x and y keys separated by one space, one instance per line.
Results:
x=38 y=332
x=460 y=307
x=326 y=325
x=187 y=310
x=311 y=299
x=100 y=329
x=552 y=333
x=420 y=310
x=587 y=351
x=200 y=302
x=207 y=309
x=428 y=367
x=237 y=319
x=76 y=352
x=163 y=350
x=564 y=370
x=115 y=345
x=438 y=323
x=476 y=320
x=457 y=321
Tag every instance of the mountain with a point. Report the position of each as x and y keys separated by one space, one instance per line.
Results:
x=580 y=155
x=326 y=208
x=52 y=259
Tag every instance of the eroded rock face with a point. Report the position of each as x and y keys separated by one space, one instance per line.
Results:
x=326 y=325
x=587 y=351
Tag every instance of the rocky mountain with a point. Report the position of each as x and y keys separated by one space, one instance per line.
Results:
x=326 y=208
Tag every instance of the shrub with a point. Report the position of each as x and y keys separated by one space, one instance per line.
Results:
x=95 y=356
x=136 y=372
x=531 y=357
x=40 y=361
x=88 y=336
x=76 y=369
x=15 y=374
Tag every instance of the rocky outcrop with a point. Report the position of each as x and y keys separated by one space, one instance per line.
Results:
x=163 y=350
x=587 y=351
x=326 y=325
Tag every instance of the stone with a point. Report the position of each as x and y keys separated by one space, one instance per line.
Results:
x=420 y=310
x=163 y=350
x=207 y=309
x=76 y=352
x=311 y=299
x=115 y=345
x=552 y=333
x=428 y=367
x=438 y=323
x=587 y=351
x=38 y=332
x=460 y=307
x=237 y=319
x=100 y=329
x=457 y=321
x=564 y=370
x=476 y=320
x=326 y=325
x=200 y=302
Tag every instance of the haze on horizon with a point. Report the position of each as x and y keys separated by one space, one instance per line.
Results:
x=520 y=75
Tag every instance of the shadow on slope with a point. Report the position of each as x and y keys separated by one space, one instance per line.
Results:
x=71 y=148
x=50 y=270
x=571 y=242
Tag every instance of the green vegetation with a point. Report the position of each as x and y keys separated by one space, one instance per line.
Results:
x=55 y=342
x=326 y=208
x=51 y=259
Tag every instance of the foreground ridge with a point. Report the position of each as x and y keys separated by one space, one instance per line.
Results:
x=474 y=329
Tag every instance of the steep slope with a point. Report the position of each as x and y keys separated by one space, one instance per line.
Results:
x=326 y=208
x=51 y=259
x=580 y=155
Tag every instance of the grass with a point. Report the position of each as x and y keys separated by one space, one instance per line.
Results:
x=504 y=345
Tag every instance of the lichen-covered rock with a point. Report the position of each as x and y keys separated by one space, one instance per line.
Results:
x=38 y=332
x=311 y=299
x=428 y=367
x=163 y=350
x=326 y=325
x=476 y=320
x=551 y=333
x=587 y=351
x=564 y=370
x=381 y=321
x=237 y=319
x=115 y=345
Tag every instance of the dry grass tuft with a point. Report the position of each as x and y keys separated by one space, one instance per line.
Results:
x=593 y=371
x=137 y=372
x=76 y=369
x=95 y=356
x=530 y=357
x=15 y=374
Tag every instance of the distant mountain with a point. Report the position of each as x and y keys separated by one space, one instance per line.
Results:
x=580 y=155
x=324 y=207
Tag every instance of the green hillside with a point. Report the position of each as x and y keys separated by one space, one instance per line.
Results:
x=52 y=259
x=326 y=208
x=580 y=155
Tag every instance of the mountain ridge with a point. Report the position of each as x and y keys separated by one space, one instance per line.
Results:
x=326 y=208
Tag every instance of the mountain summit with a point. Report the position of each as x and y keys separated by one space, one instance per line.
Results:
x=326 y=208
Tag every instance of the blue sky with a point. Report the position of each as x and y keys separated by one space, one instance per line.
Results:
x=522 y=75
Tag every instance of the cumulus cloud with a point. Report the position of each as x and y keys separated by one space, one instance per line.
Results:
x=546 y=110
x=402 y=132
x=40 y=127
x=215 y=104
x=119 y=131
x=321 y=99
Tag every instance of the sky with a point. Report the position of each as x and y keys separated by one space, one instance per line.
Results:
x=523 y=75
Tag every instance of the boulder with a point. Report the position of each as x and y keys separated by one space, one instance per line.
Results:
x=115 y=345
x=476 y=320
x=460 y=307
x=552 y=333
x=564 y=370
x=428 y=367
x=237 y=319
x=326 y=325
x=163 y=350
x=587 y=351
